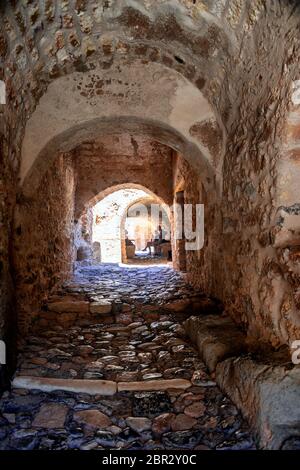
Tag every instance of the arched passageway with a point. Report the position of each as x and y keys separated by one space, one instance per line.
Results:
x=120 y=225
x=195 y=103
x=59 y=216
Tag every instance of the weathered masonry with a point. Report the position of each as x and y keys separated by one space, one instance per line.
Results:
x=191 y=102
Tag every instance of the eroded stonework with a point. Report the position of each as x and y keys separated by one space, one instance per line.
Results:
x=212 y=86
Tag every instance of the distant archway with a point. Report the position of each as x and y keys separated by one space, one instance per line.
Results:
x=108 y=211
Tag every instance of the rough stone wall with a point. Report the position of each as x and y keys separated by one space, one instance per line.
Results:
x=254 y=283
x=253 y=262
x=8 y=321
x=199 y=263
x=43 y=241
x=120 y=160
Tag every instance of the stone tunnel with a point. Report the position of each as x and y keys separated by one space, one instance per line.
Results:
x=176 y=103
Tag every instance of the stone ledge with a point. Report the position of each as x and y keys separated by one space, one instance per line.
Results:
x=69 y=306
x=196 y=304
x=149 y=385
x=268 y=396
x=96 y=387
x=217 y=338
x=91 y=387
x=101 y=307
x=266 y=391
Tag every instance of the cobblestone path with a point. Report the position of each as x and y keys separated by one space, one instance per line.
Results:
x=136 y=339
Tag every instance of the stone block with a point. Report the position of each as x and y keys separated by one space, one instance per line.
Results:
x=93 y=419
x=65 y=318
x=217 y=338
x=69 y=306
x=267 y=395
x=139 y=424
x=179 y=305
x=91 y=387
x=50 y=416
x=100 y=307
x=149 y=385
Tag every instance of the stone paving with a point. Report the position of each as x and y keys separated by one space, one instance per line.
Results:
x=142 y=341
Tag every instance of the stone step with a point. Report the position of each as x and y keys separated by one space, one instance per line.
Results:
x=78 y=305
x=195 y=304
x=149 y=385
x=216 y=337
x=266 y=391
x=45 y=384
x=268 y=396
x=96 y=387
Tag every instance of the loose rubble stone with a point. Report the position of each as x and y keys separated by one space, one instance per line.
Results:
x=139 y=424
x=151 y=404
x=23 y=439
x=152 y=376
x=51 y=416
x=195 y=410
x=101 y=307
x=162 y=423
x=182 y=422
x=181 y=439
x=92 y=419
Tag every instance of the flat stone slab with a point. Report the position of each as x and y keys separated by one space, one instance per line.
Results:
x=69 y=306
x=96 y=387
x=217 y=338
x=178 y=305
x=51 y=416
x=91 y=387
x=101 y=307
x=152 y=385
x=267 y=395
x=93 y=419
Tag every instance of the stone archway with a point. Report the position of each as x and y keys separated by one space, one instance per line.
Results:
x=211 y=80
x=80 y=106
x=123 y=186
x=86 y=220
x=110 y=207
x=157 y=212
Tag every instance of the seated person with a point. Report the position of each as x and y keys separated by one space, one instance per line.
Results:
x=162 y=240
x=127 y=241
x=156 y=240
x=153 y=242
x=162 y=234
